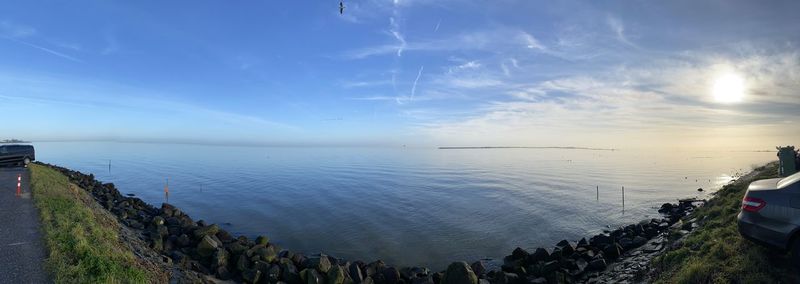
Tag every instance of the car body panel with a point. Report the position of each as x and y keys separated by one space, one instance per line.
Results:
x=777 y=222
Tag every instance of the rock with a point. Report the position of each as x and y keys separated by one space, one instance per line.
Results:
x=220 y=258
x=539 y=254
x=582 y=243
x=391 y=275
x=157 y=243
x=251 y=275
x=224 y=236
x=566 y=248
x=200 y=232
x=335 y=275
x=158 y=221
x=311 y=276
x=597 y=264
x=207 y=246
x=626 y=243
x=355 y=273
x=700 y=189
x=243 y=263
x=519 y=253
x=638 y=241
x=273 y=273
x=549 y=267
x=460 y=273
x=222 y=273
x=262 y=240
x=601 y=241
x=478 y=268
x=321 y=263
x=612 y=251
x=427 y=279
x=666 y=208
x=288 y=271
x=167 y=209
x=373 y=268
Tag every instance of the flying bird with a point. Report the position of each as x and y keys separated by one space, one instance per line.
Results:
x=341 y=7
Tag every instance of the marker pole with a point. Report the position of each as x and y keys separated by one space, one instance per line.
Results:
x=19 y=184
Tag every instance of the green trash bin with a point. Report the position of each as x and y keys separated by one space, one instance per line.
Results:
x=787 y=157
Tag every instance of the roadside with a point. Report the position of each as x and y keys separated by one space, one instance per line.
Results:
x=715 y=252
x=22 y=253
x=84 y=240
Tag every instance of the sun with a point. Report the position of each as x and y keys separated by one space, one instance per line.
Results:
x=728 y=88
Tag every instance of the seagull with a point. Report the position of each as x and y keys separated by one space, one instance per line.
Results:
x=341 y=7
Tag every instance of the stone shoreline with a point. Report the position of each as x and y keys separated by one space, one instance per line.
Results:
x=194 y=247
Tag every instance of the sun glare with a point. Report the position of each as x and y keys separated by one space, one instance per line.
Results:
x=728 y=88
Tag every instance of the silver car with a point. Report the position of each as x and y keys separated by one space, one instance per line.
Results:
x=770 y=213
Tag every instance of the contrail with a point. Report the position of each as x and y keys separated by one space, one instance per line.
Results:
x=414 y=87
x=437 y=26
x=53 y=52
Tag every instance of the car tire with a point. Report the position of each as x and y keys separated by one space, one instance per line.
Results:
x=794 y=252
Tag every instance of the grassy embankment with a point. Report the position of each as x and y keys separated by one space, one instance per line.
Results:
x=716 y=253
x=83 y=243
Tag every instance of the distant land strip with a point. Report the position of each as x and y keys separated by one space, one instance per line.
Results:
x=525 y=147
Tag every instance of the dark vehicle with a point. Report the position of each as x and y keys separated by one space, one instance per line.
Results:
x=771 y=214
x=16 y=155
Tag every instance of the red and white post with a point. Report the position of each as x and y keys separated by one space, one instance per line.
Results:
x=19 y=184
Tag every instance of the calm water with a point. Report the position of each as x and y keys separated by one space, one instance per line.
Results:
x=405 y=206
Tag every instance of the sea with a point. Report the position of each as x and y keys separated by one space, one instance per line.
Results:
x=408 y=206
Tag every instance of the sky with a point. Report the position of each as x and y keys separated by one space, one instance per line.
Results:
x=611 y=74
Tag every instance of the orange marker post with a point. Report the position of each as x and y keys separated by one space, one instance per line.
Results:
x=19 y=184
x=166 y=190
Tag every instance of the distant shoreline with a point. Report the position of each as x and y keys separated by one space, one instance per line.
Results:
x=524 y=147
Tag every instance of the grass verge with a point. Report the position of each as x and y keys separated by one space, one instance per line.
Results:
x=83 y=244
x=716 y=253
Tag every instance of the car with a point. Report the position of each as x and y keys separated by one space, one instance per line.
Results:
x=770 y=214
x=16 y=155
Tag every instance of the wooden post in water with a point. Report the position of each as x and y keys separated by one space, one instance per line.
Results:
x=166 y=191
x=623 y=198
x=598 y=193
x=109 y=166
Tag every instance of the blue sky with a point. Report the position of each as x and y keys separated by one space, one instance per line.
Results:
x=449 y=72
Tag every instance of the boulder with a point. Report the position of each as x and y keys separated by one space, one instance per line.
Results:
x=289 y=272
x=612 y=251
x=597 y=264
x=539 y=254
x=251 y=275
x=273 y=274
x=478 y=268
x=207 y=246
x=519 y=254
x=311 y=276
x=335 y=275
x=391 y=275
x=220 y=258
x=321 y=263
x=459 y=273
x=355 y=273
x=262 y=240
x=167 y=209
x=566 y=247
x=158 y=221
x=200 y=232
x=638 y=241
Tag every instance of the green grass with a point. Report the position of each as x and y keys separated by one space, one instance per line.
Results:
x=83 y=244
x=716 y=253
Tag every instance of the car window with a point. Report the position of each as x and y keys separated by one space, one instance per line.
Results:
x=787 y=181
